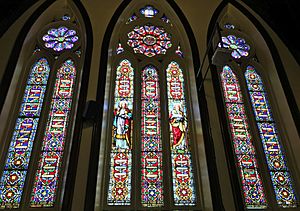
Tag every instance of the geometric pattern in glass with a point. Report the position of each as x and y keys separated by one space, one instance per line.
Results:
x=242 y=141
x=274 y=153
x=19 y=152
x=182 y=169
x=149 y=40
x=60 y=38
x=237 y=45
x=119 y=190
x=151 y=156
x=47 y=175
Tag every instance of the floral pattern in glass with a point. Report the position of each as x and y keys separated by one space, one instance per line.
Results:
x=238 y=46
x=149 y=40
x=60 y=38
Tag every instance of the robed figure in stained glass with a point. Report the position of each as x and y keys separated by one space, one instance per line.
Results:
x=122 y=125
x=178 y=127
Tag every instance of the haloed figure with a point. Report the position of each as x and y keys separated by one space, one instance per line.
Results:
x=122 y=125
x=178 y=127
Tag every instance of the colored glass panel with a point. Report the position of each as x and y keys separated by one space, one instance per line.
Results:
x=274 y=153
x=46 y=180
x=184 y=193
x=119 y=190
x=165 y=19
x=152 y=173
x=237 y=45
x=149 y=40
x=60 y=38
x=20 y=148
x=179 y=51
x=148 y=11
x=133 y=17
x=242 y=142
x=120 y=49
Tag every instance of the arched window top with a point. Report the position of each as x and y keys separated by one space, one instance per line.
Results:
x=161 y=143
x=243 y=83
x=36 y=159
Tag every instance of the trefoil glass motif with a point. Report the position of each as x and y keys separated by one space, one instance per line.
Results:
x=149 y=11
x=119 y=190
x=149 y=40
x=237 y=45
x=242 y=141
x=60 y=38
x=46 y=180
x=274 y=153
x=184 y=193
x=151 y=156
x=19 y=152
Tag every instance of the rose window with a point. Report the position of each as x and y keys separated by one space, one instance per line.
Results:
x=149 y=40
x=60 y=39
x=237 y=45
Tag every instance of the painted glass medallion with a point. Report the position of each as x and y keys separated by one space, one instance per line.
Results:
x=149 y=40
x=60 y=38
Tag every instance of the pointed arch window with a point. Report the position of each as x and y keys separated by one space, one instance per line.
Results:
x=248 y=140
x=151 y=150
x=35 y=160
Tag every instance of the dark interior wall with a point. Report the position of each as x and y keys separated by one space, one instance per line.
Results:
x=283 y=17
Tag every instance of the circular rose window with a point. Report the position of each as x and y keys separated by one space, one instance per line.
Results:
x=149 y=40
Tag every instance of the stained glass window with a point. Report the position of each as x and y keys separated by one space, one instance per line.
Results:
x=119 y=191
x=148 y=11
x=60 y=38
x=182 y=167
x=273 y=149
x=132 y=18
x=165 y=19
x=152 y=173
x=238 y=46
x=120 y=49
x=20 y=149
x=149 y=40
x=242 y=141
x=159 y=147
x=47 y=175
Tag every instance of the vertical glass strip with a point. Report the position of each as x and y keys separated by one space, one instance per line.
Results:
x=183 y=178
x=152 y=173
x=19 y=152
x=274 y=152
x=254 y=197
x=46 y=180
x=119 y=190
